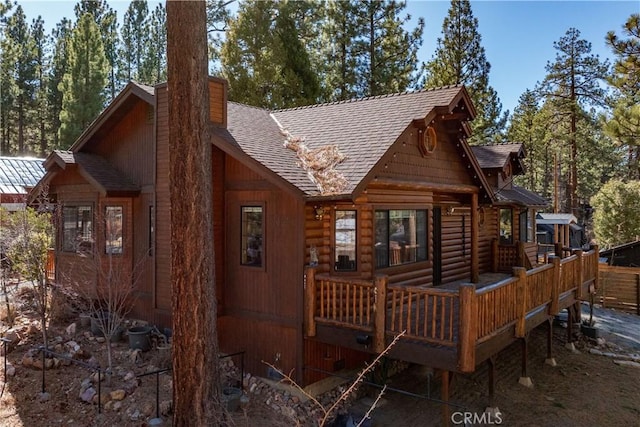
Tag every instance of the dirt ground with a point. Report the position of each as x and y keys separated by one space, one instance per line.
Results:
x=583 y=389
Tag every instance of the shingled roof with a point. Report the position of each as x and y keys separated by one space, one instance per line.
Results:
x=19 y=174
x=98 y=171
x=363 y=129
x=495 y=156
x=521 y=196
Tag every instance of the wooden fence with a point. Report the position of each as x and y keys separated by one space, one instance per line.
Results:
x=619 y=288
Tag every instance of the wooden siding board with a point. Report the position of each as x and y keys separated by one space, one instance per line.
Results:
x=217 y=102
x=129 y=144
x=443 y=166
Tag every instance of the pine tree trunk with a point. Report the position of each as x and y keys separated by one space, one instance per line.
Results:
x=196 y=382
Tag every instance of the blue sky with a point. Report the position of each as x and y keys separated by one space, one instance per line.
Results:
x=517 y=36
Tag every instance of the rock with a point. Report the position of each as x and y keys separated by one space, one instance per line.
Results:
x=104 y=398
x=165 y=407
x=11 y=371
x=109 y=405
x=71 y=329
x=129 y=376
x=101 y=340
x=118 y=394
x=33 y=329
x=87 y=395
x=117 y=406
x=27 y=360
x=93 y=362
x=627 y=363
x=134 y=415
x=148 y=409
x=12 y=335
x=97 y=376
x=48 y=363
x=72 y=346
x=44 y=397
x=601 y=341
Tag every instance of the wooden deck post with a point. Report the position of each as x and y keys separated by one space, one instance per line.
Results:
x=467 y=328
x=550 y=360
x=579 y=274
x=525 y=380
x=379 y=342
x=494 y=256
x=596 y=280
x=554 y=307
x=558 y=249
x=310 y=301
x=521 y=301
x=520 y=253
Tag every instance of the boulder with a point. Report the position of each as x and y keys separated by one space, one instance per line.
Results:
x=87 y=395
x=117 y=394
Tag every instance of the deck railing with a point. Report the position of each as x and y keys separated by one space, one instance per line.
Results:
x=425 y=314
x=496 y=308
x=459 y=318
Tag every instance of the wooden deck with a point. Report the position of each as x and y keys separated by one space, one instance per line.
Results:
x=453 y=327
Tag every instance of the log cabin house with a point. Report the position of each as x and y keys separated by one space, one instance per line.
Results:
x=336 y=227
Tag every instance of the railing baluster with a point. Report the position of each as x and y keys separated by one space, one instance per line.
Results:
x=442 y=313
x=434 y=314
x=409 y=304
x=426 y=314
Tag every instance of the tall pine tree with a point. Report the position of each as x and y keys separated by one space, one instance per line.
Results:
x=523 y=129
x=460 y=59
x=387 y=53
x=623 y=124
x=41 y=85
x=340 y=79
x=24 y=75
x=154 y=63
x=107 y=21
x=84 y=82
x=263 y=59
x=572 y=83
x=58 y=68
x=135 y=40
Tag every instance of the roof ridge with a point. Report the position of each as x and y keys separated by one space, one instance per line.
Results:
x=368 y=98
x=250 y=106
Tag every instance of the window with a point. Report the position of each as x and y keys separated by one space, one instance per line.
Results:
x=77 y=228
x=506 y=226
x=113 y=230
x=345 y=253
x=526 y=228
x=252 y=234
x=401 y=237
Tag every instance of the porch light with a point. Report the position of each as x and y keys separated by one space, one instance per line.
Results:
x=319 y=212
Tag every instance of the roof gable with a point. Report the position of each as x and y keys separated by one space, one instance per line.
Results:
x=116 y=110
x=363 y=130
x=499 y=156
x=96 y=170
